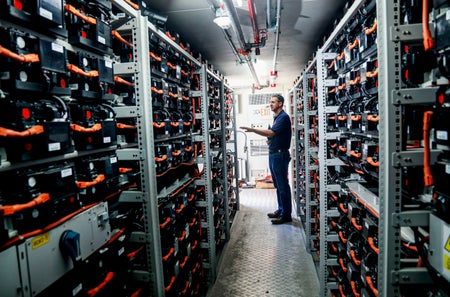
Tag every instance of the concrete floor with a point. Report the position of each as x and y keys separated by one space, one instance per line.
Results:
x=262 y=259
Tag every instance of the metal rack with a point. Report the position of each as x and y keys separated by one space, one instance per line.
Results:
x=328 y=213
x=311 y=198
x=298 y=166
x=210 y=245
x=389 y=257
x=144 y=153
x=305 y=201
x=385 y=209
x=145 y=195
x=323 y=173
x=232 y=178
x=394 y=98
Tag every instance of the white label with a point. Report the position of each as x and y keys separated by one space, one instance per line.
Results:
x=188 y=250
x=57 y=48
x=108 y=63
x=77 y=290
x=447 y=15
x=66 y=172
x=441 y=135
x=447 y=168
x=177 y=269
x=101 y=40
x=45 y=13
x=178 y=72
x=121 y=251
x=361 y=47
x=107 y=139
x=187 y=230
x=56 y=146
x=175 y=245
x=113 y=160
x=347 y=55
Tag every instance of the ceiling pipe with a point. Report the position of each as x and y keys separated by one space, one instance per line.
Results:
x=215 y=4
x=232 y=46
x=235 y=24
x=277 y=36
x=259 y=36
x=252 y=12
x=271 y=20
x=240 y=36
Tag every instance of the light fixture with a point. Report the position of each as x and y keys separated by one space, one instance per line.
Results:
x=222 y=19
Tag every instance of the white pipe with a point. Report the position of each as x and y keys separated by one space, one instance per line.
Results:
x=277 y=35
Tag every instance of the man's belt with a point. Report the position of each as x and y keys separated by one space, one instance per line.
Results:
x=278 y=151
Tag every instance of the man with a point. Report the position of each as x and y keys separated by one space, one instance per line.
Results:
x=279 y=136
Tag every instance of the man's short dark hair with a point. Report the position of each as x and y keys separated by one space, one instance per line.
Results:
x=279 y=98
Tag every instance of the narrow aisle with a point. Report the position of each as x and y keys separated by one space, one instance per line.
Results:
x=262 y=259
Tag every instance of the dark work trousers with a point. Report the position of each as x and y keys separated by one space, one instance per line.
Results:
x=278 y=165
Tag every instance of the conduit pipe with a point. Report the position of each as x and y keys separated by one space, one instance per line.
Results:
x=215 y=4
x=269 y=21
x=235 y=24
x=277 y=36
x=240 y=36
x=252 y=12
x=232 y=46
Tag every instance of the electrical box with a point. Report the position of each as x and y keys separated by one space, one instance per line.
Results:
x=439 y=252
x=48 y=255
x=11 y=272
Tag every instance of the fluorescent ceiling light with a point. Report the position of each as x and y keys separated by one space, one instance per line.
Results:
x=223 y=22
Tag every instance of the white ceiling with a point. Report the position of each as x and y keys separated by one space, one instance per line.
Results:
x=303 y=26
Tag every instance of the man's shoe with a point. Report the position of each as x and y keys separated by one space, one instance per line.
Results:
x=280 y=221
x=274 y=215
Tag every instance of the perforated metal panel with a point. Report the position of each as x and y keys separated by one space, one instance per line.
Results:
x=260 y=99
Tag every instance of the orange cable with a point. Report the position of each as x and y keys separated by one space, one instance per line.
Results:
x=108 y=278
x=119 y=37
x=35 y=130
x=7 y=210
x=28 y=58
x=428 y=42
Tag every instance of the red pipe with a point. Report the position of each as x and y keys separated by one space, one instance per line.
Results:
x=251 y=10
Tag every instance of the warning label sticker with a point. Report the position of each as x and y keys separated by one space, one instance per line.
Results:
x=447 y=245
x=40 y=241
x=446 y=262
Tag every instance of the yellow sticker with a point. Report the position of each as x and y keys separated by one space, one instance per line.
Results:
x=446 y=262
x=40 y=241
x=447 y=245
